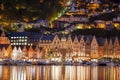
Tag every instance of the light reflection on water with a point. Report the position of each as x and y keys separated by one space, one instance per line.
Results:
x=59 y=73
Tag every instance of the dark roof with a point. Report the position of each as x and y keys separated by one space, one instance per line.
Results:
x=101 y=41
x=35 y=37
x=73 y=37
x=20 y=34
x=4 y=45
x=60 y=36
x=47 y=37
x=79 y=38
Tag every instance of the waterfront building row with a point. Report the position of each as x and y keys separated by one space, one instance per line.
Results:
x=81 y=47
x=61 y=46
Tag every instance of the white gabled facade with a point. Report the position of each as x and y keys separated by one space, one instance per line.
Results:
x=20 y=53
x=14 y=53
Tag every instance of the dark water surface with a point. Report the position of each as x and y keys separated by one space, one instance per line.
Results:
x=59 y=73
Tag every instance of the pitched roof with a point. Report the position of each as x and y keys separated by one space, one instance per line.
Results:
x=4 y=45
x=20 y=34
x=35 y=37
x=47 y=37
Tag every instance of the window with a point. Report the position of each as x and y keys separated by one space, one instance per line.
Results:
x=20 y=40
x=26 y=44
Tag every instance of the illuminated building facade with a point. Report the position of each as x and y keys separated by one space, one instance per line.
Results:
x=4 y=39
x=68 y=47
x=19 y=38
x=81 y=47
x=4 y=46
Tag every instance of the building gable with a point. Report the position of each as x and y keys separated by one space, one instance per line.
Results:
x=82 y=41
x=110 y=46
x=76 y=40
x=94 y=42
x=56 y=40
x=116 y=42
x=69 y=40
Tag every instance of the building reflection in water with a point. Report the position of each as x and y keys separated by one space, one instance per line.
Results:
x=59 y=73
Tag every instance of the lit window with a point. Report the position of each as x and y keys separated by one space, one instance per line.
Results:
x=25 y=43
x=11 y=37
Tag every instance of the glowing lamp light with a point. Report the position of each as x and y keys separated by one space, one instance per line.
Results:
x=26 y=19
x=116 y=24
x=79 y=26
x=68 y=3
x=101 y=25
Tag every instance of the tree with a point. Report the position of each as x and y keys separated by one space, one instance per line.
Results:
x=31 y=9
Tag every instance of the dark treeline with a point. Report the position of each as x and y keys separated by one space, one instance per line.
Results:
x=29 y=9
x=98 y=32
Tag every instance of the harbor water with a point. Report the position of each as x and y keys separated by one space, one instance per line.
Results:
x=54 y=72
